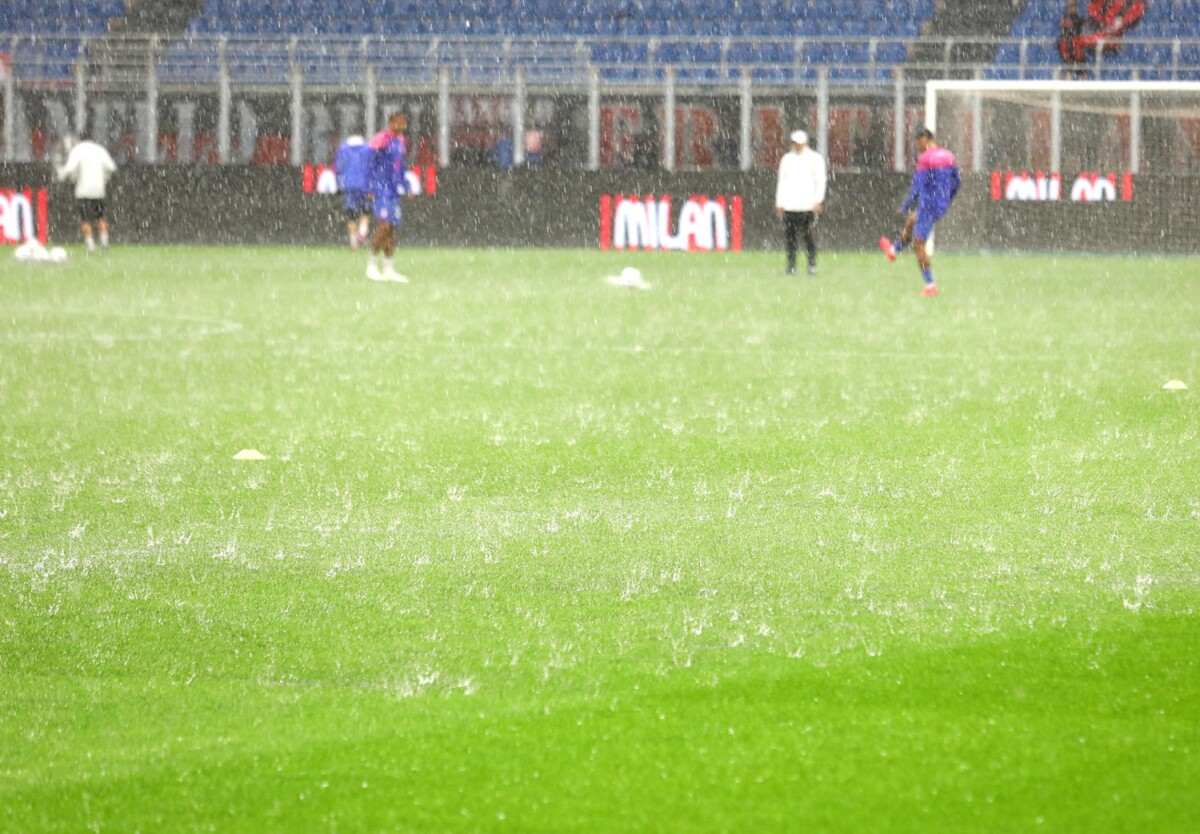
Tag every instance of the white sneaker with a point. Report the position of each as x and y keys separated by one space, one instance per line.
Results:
x=374 y=274
x=394 y=277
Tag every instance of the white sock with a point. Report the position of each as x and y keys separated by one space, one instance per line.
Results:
x=104 y=239
x=362 y=228
x=91 y=243
x=387 y=263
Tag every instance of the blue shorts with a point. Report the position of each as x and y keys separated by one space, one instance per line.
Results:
x=923 y=228
x=357 y=202
x=387 y=209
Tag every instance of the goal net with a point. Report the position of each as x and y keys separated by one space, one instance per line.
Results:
x=1072 y=165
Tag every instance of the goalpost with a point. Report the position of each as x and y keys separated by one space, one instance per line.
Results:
x=1069 y=111
x=1069 y=142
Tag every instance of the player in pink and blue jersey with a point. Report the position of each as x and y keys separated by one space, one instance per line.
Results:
x=389 y=150
x=934 y=185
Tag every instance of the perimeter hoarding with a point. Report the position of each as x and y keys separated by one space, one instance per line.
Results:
x=548 y=208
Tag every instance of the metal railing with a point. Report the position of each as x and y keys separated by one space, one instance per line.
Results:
x=51 y=58
x=77 y=75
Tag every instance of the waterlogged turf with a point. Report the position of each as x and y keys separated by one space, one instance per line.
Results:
x=531 y=552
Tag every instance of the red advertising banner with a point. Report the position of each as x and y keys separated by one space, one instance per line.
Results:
x=1040 y=186
x=24 y=215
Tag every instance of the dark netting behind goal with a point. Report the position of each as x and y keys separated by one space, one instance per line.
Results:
x=1073 y=165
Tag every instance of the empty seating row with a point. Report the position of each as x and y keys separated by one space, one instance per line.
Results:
x=659 y=10
x=830 y=18
x=606 y=27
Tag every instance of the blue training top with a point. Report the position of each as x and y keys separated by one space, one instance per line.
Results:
x=353 y=164
x=388 y=164
x=935 y=182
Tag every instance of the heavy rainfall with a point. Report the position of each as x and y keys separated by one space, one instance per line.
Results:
x=603 y=415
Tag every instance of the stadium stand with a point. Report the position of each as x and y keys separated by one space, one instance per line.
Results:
x=60 y=17
x=630 y=41
x=48 y=35
x=703 y=41
x=608 y=18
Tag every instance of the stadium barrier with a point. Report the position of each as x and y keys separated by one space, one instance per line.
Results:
x=238 y=205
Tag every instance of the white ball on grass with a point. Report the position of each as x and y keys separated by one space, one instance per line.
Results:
x=58 y=255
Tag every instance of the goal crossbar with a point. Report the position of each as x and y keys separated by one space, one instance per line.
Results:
x=1128 y=96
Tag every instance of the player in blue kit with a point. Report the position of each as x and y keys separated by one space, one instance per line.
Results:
x=934 y=185
x=353 y=167
x=387 y=180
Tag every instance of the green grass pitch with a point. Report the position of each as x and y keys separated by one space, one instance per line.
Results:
x=529 y=552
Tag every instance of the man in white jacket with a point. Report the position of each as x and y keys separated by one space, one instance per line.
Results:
x=90 y=166
x=800 y=198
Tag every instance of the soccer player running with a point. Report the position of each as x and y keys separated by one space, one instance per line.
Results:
x=353 y=168
x=90 y=166
x=934 y=185
x=1070 y=30
x=388 y=182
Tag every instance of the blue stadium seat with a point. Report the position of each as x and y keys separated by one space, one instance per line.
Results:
x=855 y=28
x=891 y=52
x=1000 y=74
x=1131 y=53
x=59 y=17
x=582 y=26
x=850 y=53
x=879 y=27
x=848 y=74
x=817 y=53
x=1008 y=53
x=670 y=53
x=702 y=62
x=1039 y=52
x=834 y=19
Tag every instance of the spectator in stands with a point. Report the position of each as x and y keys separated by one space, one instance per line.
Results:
x=800 y=199
x=533 y=147
x=353 y=168
x=502 y=151
x=1070 y=30
x=644 y=151
x=1109 y=21
x=90 y=166
x=726 y=149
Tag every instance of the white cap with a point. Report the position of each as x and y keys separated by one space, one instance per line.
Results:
x=799 y=137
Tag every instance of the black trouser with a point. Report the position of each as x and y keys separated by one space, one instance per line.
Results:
x=795 y=222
